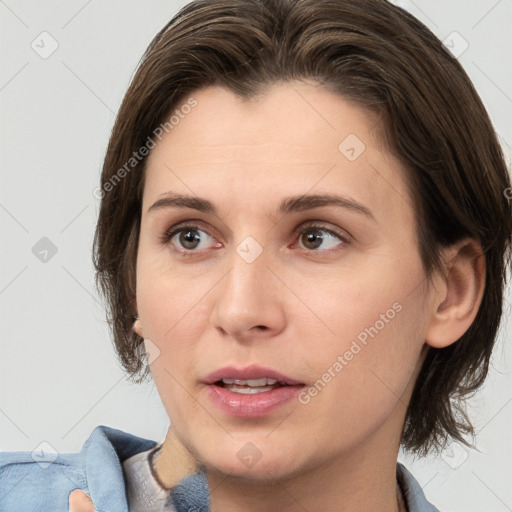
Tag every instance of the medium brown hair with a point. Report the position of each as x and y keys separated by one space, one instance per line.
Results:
x=385 y=60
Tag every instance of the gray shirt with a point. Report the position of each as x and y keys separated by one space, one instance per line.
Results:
x=144 y=492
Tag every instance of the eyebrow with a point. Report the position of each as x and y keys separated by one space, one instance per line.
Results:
x=288 y=205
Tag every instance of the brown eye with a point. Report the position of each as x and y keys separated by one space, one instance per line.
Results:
x=189 y=239
x=312 y=239
x=318 y=237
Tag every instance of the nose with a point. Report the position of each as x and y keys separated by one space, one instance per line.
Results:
x=249 y=301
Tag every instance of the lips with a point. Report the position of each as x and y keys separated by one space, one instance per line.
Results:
x=249 y=373
x=250 y=392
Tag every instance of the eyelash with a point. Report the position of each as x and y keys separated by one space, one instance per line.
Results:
x=311 y=226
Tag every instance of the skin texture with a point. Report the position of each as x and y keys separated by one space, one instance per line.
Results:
x=174 y=462
x=79 y=501
x=298 y=306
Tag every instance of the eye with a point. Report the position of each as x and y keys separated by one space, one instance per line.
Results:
x=189 y=239
x=314 y=237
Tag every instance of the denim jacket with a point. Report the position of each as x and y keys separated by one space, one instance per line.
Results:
x=34 y=481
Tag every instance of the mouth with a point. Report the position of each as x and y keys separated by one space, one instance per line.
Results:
x=250 y=392
x=250 y=386
x=250 y=377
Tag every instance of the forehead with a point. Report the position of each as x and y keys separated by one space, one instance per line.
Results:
x=296 y=138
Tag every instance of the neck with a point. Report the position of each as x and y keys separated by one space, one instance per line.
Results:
x=174 y=462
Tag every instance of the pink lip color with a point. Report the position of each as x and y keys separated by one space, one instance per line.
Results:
x=249 y=372
x=250 y=406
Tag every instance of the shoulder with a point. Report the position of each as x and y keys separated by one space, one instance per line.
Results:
x=413 y=493
x=40 y=480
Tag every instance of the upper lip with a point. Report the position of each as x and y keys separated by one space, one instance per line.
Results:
x=249 y=373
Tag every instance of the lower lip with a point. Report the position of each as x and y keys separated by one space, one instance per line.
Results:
x=251 y=406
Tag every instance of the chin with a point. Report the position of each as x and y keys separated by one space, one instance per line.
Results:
x=259 y=460
x=261 y=473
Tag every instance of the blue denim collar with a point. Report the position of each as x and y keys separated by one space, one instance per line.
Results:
x=413 y=493
x=102 y=456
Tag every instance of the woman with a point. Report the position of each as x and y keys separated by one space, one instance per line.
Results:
x=303 y=219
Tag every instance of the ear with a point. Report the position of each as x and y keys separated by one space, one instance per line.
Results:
x=137 y=326
x=457 y=294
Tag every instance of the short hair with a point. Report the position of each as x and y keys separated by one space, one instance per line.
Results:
x=431 y=118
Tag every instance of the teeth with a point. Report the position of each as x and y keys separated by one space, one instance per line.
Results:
x=248 y=390
x=254 y=383
x=250 y=386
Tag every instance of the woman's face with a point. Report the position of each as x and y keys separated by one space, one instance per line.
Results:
x=278 y=242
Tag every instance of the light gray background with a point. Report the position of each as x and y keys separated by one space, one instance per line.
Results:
x=58 y=374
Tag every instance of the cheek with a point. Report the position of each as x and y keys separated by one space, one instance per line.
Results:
x=175 y=310
x=360 y=369
x=370 y=308
x=170 y=302
x=368 y=373
x=170 y=309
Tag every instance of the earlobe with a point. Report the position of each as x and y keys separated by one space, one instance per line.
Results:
x=457 y=304
x=137 y=327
